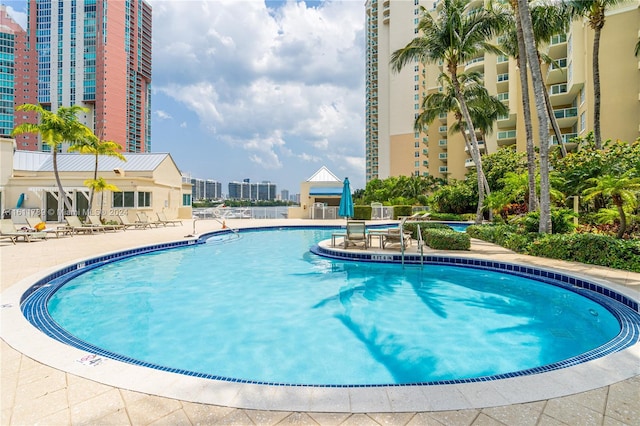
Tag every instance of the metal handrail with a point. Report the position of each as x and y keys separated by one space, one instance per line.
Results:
x=421 y=246
x=193 y=233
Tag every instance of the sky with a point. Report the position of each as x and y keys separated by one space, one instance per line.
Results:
x=265 y=90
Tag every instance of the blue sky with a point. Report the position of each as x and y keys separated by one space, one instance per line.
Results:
x=266 y=90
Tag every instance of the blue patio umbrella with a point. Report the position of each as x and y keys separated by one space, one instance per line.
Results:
x=346 y=202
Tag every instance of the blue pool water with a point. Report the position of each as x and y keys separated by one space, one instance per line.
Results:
x=263 y=308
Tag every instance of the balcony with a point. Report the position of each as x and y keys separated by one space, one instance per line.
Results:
x=443 y=129
x=443 y=156
x=503 y=97
x=476 y=64
x=443 y=169
x=425 y=163
x=425 y=152
x=481 y=146
x=506 y=121
x=442 y=143
x=468 y=163
x=557 y=72
x=442 y=117
x=558 y=46
x=566 y=138
x=507 y=137
x=566 y=117
x=503 y=82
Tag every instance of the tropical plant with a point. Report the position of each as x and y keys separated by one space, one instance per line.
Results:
x=56 y=128
x=531 y=50
x=97 y=147
x=621 y=189
x=454 y=35
x=100 y=185
x=594 y=11
x=456 y=197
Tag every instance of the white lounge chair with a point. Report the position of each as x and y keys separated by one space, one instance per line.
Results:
x=8 y=229
x=33 y=222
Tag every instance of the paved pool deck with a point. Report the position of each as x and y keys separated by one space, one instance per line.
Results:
x=42 y=382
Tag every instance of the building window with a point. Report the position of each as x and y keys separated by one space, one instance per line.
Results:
x=144 y=199
x=186 y=199
x=416 y=154
x=582 y=95
x=123 y=199
x=416 y=144
x=583 y=121
x=417 y=164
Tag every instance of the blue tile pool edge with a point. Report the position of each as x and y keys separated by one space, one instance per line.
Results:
x=34 y=302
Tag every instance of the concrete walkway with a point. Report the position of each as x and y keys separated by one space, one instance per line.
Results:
x=35 y=393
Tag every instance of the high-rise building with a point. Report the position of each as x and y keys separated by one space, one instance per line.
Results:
x=18 y=80
x=96 y=54
x=393 y=101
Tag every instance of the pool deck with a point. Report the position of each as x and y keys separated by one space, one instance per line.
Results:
x=42 y=382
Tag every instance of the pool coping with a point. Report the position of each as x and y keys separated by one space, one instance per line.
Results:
x=579 y=378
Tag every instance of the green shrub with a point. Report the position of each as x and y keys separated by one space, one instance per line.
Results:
x=594 y=249
x=561 y=221
x=441 y=239
x=362 y=212
x=402 y=211
x=413 y=227
x=446 y=216
x=497 y=234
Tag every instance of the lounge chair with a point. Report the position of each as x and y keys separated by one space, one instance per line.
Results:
x=356 y=234
x=163 y=219
x=8 y=229
x=9 y=237
x=143 y=218
x=33 y=222
x=126 y=223
x=395 y=236
x=95 y=221
x=76 y=226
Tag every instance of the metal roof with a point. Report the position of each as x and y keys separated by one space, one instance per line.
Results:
x=43 y=162
x=324 y=175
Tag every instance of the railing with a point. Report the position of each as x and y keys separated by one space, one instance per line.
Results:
x=507 y=134
x=566 y=113
x=503 y=77
x=557 y=39
x=420 y=246
x=558 y=89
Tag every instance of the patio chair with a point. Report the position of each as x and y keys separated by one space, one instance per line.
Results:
x=356 y=234
x=33 y=222
x=163 y=218
x=397 y=236
x=8 y=229
x=9 y=237
x=95 y=221
x=126 y=223
x=143 y=218
x=76 y=226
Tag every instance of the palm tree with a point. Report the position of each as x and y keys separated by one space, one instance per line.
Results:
x=97 y=147
x=56 y=128
x=524 y=15
x=100 y=185
x=594 y=11
x=622 y=190
x=455 y=36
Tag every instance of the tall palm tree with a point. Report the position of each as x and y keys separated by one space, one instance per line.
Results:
x=56 y=128
x=100 y=185
x=454 y=36
x=97 y=147
x=524 y=14
x=622 y=190
x=594 y=11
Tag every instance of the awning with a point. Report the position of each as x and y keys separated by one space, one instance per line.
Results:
x=55 y=188
x=326 y=190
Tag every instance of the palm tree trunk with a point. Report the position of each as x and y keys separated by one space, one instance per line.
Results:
x=63 y=196
x=526 y=110
x=475 y=151
x=541 y=109
x=554 y=124
x=596 y=86
x=91 y=190
x=623 y=218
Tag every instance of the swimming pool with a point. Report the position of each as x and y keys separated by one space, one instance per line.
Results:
x=237 y=307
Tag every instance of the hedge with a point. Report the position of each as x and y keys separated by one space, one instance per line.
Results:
x=441 y=239
x=362 y=212
x=413 y=227
x=399 y=211
x=594 y=249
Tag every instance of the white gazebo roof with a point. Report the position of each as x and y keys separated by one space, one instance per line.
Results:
x=324 y=175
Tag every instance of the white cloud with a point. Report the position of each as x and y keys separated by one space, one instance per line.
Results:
x=162 y=115
x=18 y=16
x=284 y=85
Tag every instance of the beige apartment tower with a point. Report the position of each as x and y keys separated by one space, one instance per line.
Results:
x=393 y=100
